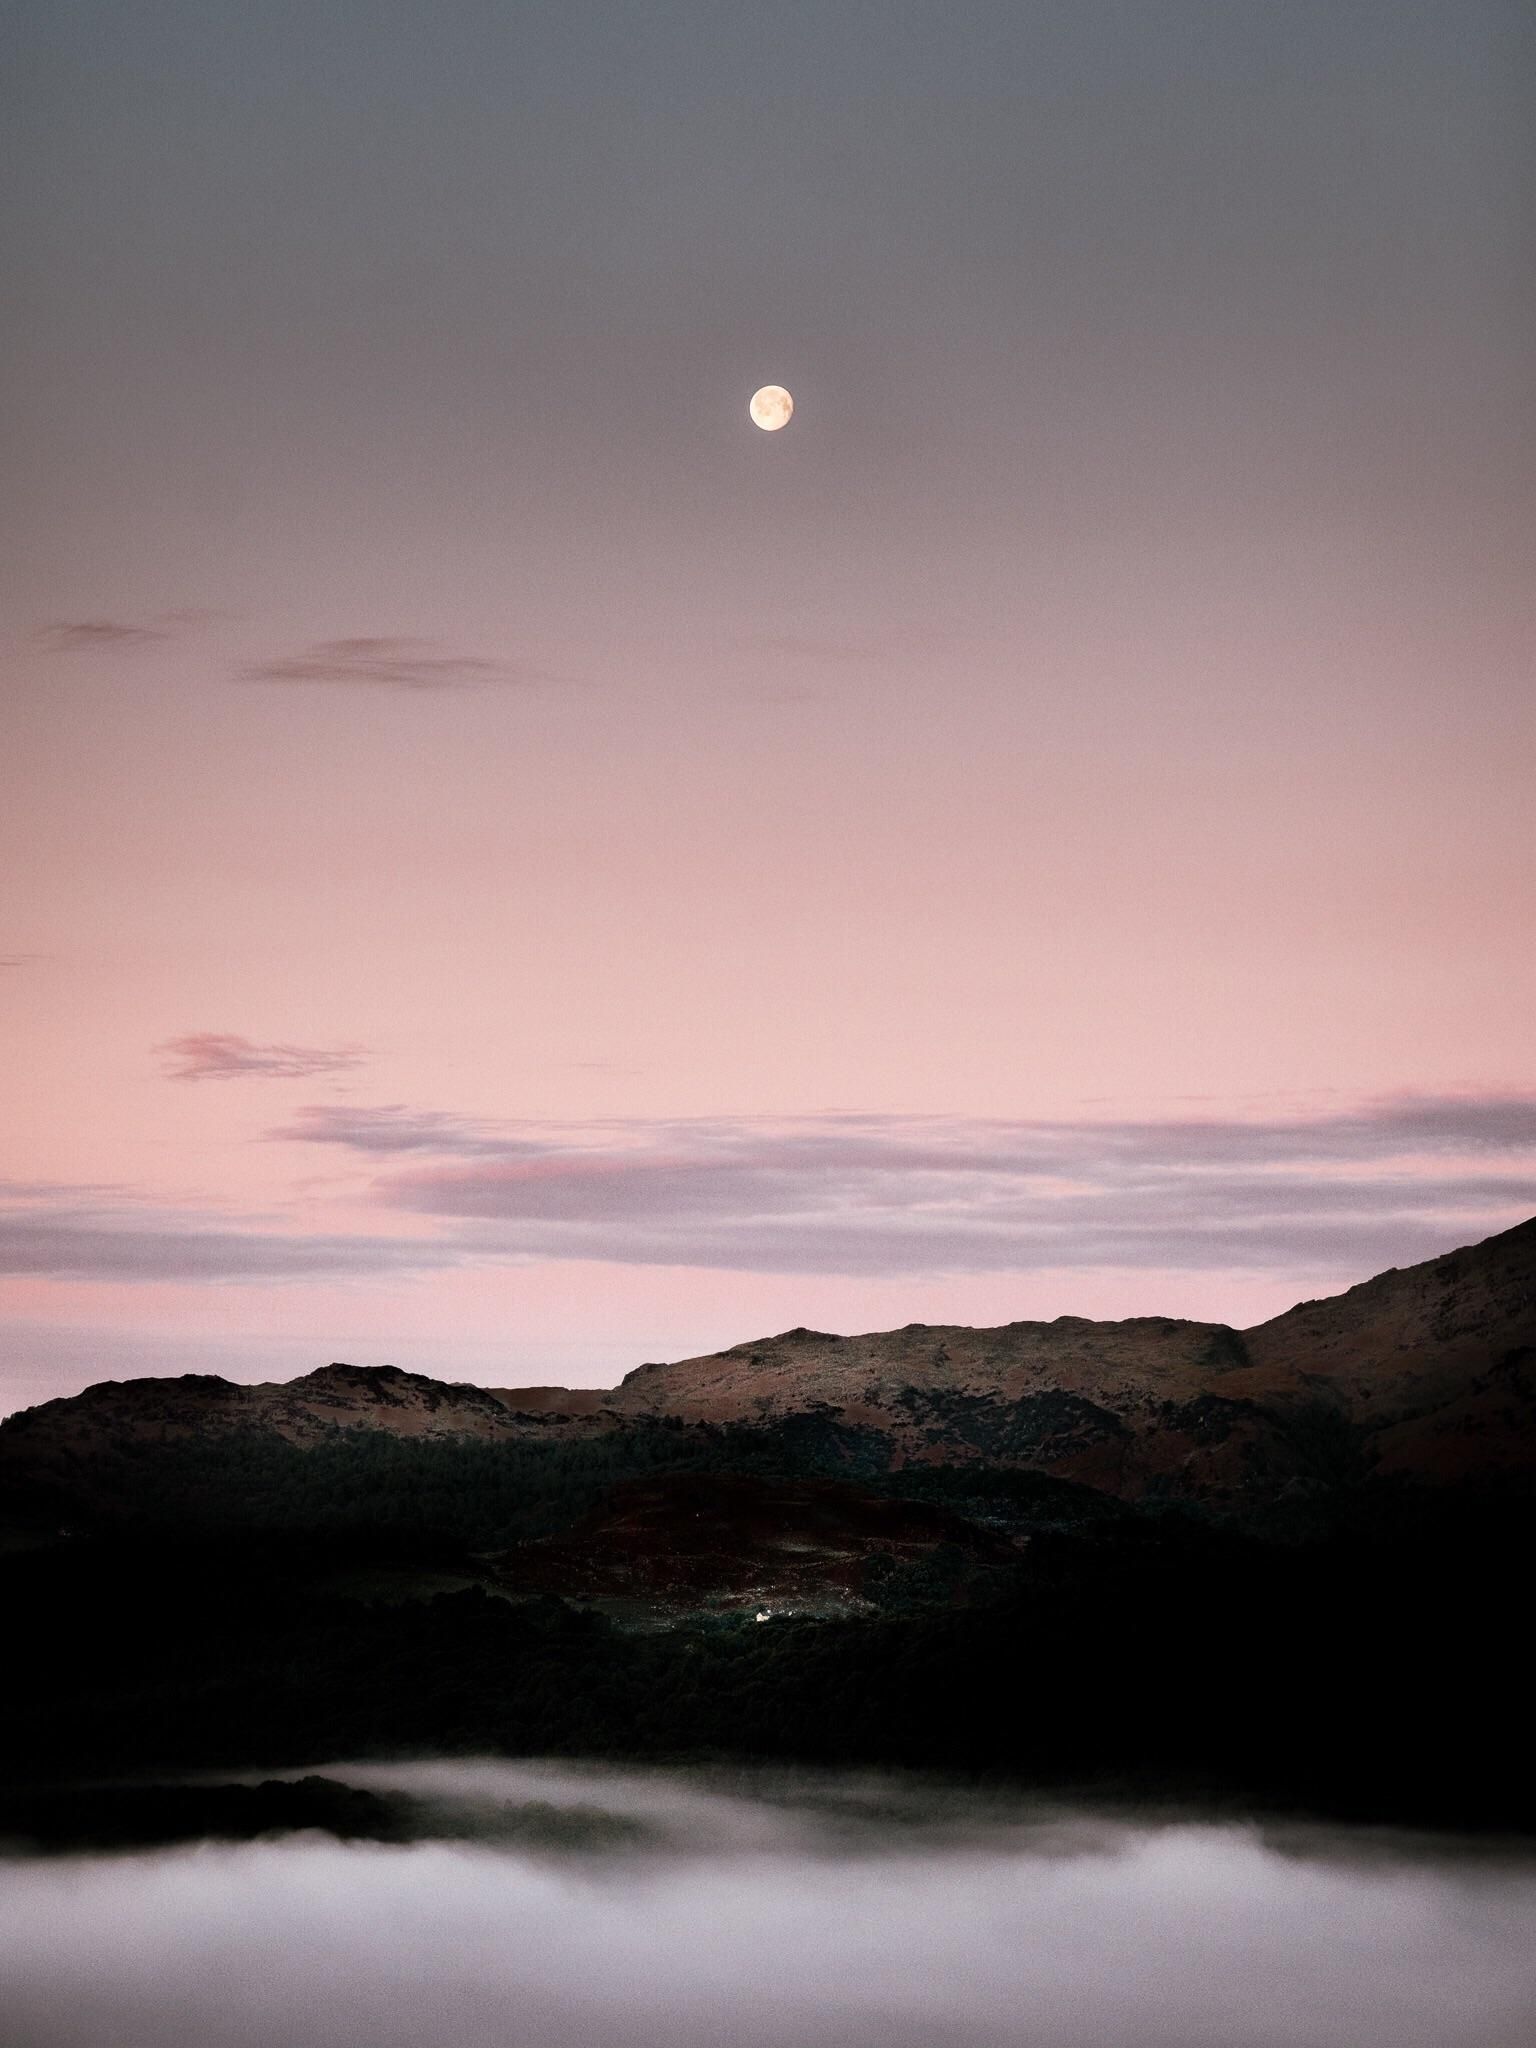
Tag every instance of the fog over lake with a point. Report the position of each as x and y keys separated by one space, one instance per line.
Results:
x=551 y=1906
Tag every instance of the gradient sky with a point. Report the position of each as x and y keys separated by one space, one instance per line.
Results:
x=512 y=871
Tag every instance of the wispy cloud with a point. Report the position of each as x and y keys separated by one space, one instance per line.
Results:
x=18 y=959
x=84 y=636
x=1388 y=1183
x=223 y=1056
x=391 y=664
x=106 y=1235
x=103 y=636
x=391 y=1127
x=1344 y=1195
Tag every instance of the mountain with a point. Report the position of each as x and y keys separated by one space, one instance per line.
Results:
x=1427 y=1373
x=1279 y=1568
x=1435 y=1365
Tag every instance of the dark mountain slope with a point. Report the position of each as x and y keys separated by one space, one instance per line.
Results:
x=1252 y=1599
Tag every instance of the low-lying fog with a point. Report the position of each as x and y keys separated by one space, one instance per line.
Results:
x=617 y=1909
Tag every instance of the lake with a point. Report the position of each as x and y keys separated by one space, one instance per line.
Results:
x=554 y=1906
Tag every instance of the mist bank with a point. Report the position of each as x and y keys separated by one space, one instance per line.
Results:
x=560 y=1906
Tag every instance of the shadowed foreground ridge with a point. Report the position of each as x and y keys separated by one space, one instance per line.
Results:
x=1280 y=1568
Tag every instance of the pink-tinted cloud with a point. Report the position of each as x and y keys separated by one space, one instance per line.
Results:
x=73 y=1233
x=224 y=1056
x=1391 y=1182
x=384 y=663
x=392 y=1127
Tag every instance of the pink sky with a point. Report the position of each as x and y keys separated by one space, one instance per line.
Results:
x=1105 y=710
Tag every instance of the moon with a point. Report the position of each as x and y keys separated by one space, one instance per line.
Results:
x=771 y=407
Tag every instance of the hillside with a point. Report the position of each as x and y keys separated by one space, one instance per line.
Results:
x=1426 y=1372
x=1162 y=1557
x=1429 y=1371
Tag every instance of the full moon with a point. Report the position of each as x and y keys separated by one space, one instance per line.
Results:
x=771 y=408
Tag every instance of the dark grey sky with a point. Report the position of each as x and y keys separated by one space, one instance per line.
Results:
x=1145 y=250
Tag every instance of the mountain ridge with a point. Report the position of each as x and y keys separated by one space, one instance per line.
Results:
x=1427 y=1371
x=1281 y=1567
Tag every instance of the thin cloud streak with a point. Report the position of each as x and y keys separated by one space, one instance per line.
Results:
x=384 y=663
x=1390 y=1182
x=225 y=1056
x=391 y=1127
x=72 y=1240
x=84 y=636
